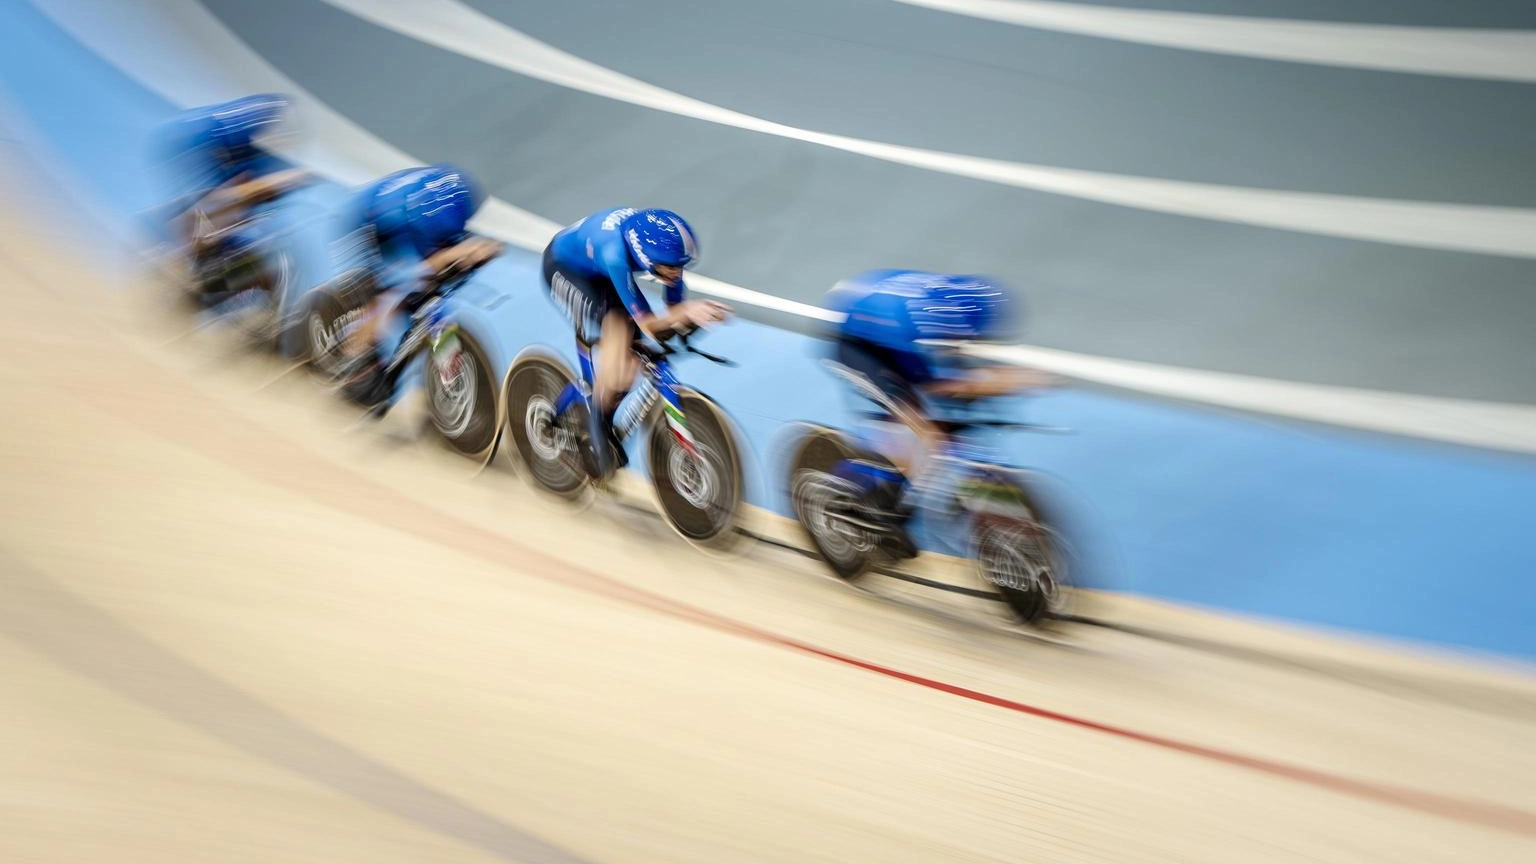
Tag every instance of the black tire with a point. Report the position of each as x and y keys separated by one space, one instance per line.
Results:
x=269 y=279
x=533 y=385
x=191 y=282
x=465 y=418
x=704 y=506
x=814 y=492
x=1017 y=551
x=324 y=317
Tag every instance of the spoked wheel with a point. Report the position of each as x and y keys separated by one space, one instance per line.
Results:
x=700 y=488
x=1018 y=553
x=547 y=446
x=461 y=395
x=819 y=498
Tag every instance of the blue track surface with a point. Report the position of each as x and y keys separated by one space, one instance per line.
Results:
x=1204 y=507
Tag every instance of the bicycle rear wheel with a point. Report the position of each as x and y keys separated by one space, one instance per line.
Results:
x=818 y=498
x=547 y=446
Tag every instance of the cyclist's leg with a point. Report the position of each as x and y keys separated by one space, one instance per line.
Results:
x=363 y=343
x=363 y=336
x=590 y=310
x=364 y=351
x=896 y=429
x=900 y=429
x=617 y=366
x=400 y=288
x=207 y=251
x=576 y=298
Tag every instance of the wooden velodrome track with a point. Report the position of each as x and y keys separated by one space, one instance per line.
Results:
x=235 y=629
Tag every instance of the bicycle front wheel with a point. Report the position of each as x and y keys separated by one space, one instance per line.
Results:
x=696 y=470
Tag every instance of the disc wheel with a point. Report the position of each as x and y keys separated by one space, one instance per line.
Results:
x=461 y=395
x=325 y=318
x=818 y=497
x=1018 y=553
x=259 y=288
x=547 y=447
x=700 y=489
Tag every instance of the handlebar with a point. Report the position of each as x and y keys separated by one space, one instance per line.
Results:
x=272 y=191
x=664 y=340
x=452 y=277
x=955 y=426
x=439 y=285
x=1005 y=424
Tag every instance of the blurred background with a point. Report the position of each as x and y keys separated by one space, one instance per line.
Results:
x=1281 y=253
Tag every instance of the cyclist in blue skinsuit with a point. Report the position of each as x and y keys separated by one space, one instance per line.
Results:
x=222 y=170
x=413 y=225
x=885 y=349
x=590 y=269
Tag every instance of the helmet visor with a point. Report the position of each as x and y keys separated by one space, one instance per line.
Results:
x=666 y=274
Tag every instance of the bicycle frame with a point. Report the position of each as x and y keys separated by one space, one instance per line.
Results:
x=658 y=376
x=429 y=324
x=976 y=481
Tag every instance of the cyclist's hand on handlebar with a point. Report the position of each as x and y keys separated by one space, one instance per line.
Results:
x=1018 y=378
x=703 y=313
x=272 y=185
x=478 y=251
x=464 y=256
x=289 y=178
x=992 y=381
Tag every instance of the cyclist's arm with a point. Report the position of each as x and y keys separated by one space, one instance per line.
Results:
x=400 y=271
x=677 y=317
x=616 y=265
x=676 y=293
x=468 y=253
x=680 y=315
x=930 y=436
x=240 y=192
x=901 y=403
x=989 y=381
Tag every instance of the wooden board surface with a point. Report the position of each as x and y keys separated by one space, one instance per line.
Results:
x=235 y=627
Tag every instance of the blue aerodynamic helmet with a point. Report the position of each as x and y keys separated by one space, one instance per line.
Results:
x=441 y=207
x=428 y=207
x=898 y=309
x=222 y=135
x=239 y=122
x=659 y=237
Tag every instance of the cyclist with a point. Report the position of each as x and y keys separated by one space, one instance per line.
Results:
x=222 y=170
x=413 y=231
x=589 y=271
x=889 y=347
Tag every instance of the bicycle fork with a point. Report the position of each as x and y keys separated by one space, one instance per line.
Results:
x=659 y=381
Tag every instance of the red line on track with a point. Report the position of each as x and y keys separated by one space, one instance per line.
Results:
x=391 y=508
x=1459 y=809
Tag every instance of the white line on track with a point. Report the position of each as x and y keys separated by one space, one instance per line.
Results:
x=135 y=41
x=1503 y=55
x=452 y=26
